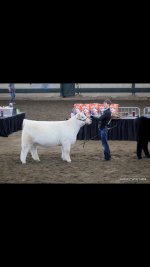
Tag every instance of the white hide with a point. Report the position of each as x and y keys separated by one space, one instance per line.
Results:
x=51 y=133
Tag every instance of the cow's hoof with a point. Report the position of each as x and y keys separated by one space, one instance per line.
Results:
x=139 y=157
x=69 y=161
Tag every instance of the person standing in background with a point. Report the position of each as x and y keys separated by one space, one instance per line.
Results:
x=12 y=93
x=77 y=85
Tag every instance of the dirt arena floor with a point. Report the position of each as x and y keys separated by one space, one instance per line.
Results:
x=86 y=166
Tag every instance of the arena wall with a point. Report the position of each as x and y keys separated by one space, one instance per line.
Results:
x=87 y=89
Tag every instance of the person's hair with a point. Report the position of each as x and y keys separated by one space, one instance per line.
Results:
x=107 y=101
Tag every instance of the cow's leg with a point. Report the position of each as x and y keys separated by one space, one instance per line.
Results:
x=34 y=153
x=66 y=152
x=139 y=149
x=145 y=149
x=62 y=155
x=24 y=153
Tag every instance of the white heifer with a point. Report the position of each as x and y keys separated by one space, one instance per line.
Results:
x=51 y=133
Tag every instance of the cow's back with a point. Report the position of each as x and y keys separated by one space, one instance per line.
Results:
x=45 y=133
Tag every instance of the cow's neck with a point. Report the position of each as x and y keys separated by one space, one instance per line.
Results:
x=77 y=124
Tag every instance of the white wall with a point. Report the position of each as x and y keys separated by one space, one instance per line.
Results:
x=105 y=85
x=32 y=86
x=45 y=85
x=82 y=85
x=143 y=85
x=113 y=85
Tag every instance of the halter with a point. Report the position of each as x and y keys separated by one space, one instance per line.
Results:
x=81 y=119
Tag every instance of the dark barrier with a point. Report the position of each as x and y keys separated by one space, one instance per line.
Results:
x=67 y=89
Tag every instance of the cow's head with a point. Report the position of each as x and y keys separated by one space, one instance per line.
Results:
x=83 y=118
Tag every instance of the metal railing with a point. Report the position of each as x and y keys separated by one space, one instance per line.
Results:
x=113 y=90
x=129 y=111
x=146 y=111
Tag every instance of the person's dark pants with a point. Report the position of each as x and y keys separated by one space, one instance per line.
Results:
x=12 y=97
x=104 y=138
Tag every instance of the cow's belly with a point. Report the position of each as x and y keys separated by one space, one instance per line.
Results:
x=46 y=140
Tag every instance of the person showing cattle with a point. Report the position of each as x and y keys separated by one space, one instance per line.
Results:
x=103 y=130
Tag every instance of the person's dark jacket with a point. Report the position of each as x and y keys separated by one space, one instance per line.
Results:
x=104 y=119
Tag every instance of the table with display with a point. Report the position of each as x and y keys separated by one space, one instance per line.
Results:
x=9 y=125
